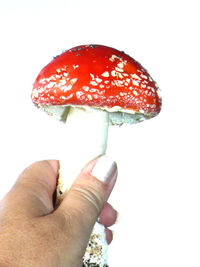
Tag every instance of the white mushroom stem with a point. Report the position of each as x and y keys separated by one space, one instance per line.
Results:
x=86 y=138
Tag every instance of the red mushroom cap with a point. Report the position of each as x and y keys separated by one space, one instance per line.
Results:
x=97 y=76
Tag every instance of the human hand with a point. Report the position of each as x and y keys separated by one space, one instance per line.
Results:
x=33 y=233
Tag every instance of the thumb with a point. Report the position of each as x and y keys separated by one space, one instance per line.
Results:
x=88 y=194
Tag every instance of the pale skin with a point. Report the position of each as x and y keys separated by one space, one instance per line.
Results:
x=33 y=233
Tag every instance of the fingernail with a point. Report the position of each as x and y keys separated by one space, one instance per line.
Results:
x=105 y=169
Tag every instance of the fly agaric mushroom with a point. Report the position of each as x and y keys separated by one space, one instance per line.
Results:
x=91 y=87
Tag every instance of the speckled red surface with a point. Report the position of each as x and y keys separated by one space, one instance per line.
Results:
x=97 y=75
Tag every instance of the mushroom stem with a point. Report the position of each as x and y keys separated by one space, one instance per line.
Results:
x=86 y=138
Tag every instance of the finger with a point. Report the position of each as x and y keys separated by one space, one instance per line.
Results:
x=88 y=195
x=109 y=235
x=108 y=215
x=33 y=191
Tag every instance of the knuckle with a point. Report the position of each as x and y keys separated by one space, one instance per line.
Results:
x=89 y=195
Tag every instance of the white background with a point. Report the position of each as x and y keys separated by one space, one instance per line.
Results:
x=158 y=190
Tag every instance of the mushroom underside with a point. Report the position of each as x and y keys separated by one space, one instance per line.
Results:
x=117 y=115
